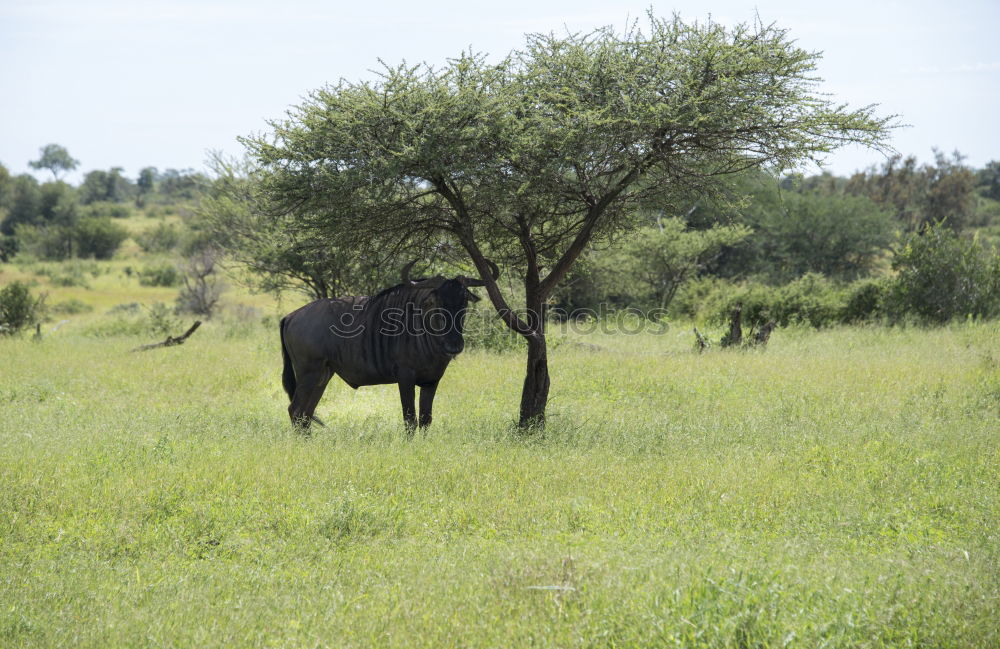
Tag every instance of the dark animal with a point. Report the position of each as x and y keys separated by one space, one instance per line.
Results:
x=407 y=334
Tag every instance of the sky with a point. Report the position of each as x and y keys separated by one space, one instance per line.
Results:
x=135 y=83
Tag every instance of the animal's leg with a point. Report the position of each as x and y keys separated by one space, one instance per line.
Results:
x=406 y=394
x=315 y=396
x=427 y=403
x=308 y=389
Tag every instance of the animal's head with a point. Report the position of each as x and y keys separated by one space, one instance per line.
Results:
x=445 y=306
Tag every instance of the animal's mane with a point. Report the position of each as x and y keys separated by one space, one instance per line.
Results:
x=384 y=294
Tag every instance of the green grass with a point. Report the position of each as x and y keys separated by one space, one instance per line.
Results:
x=840 y=489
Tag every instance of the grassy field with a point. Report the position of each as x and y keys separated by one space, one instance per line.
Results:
x=840 y=489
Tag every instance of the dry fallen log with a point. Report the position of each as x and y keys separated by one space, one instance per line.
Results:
x=171 y=340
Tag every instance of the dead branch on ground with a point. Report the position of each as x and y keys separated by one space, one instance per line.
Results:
x=171 y=340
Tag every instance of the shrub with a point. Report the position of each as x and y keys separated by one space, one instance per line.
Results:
x=98 y=237
x=760 y=304
x=73 y=306
x=160 y=211
x=162 y=275
x=105 y=209
x=130 y=308
x=53 y=242
x=69 y=273
x=812 y=299
x=865 y=300
x=703 y=297
x=163 y=238
x=91 y=236
x=8 y=247
x=944 y=276
x=196 y=242
x=160 y=319
x=18 y=309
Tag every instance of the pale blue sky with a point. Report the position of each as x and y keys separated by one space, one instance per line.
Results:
x=136 y=83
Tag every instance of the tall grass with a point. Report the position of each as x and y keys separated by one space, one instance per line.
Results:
x=839 y=489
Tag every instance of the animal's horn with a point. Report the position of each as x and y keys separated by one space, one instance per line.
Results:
x=405 y=274
x=430 y=282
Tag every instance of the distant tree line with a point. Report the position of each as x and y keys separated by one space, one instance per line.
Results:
x=899 y=240
x=55 y=220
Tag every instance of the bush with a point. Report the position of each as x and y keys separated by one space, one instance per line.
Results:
x=91 y=236
x=703 y=297
x=66 y=274
x=160 y=211
x=760 y=304
x=163 y=275
x=160 y=319
x=18 y=309
x=944 y=276
x=196 y=242
x=73 y=306
x=98 y=237
x=941 y=276
x=53 y=242
x=8 y=247
x=865 y=300
x=812 y=299
x=163 y=238
x=104 y=209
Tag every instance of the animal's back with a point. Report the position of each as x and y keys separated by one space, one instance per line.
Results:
x=331 y=332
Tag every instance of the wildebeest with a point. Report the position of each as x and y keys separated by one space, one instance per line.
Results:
x=407 y=334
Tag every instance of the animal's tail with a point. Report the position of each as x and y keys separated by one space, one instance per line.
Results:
x=288 y=372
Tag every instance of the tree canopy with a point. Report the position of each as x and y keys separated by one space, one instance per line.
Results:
x=56 y=159
x=276 y=255
x=530 y=159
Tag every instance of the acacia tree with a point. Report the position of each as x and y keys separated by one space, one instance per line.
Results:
x=662 y=257
x=275 y=252
x=531 y=159
x=55 y=158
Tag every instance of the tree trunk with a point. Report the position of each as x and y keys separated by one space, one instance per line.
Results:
x=735 y=336
x=535 y=393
